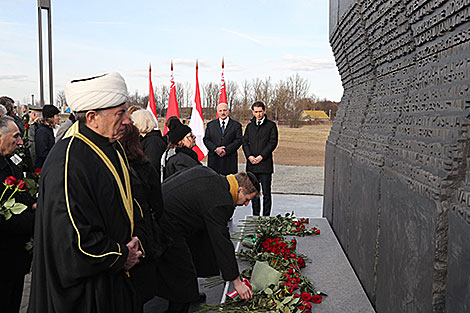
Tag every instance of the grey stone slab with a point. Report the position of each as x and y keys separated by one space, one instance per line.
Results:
x=330 y=272
x=458 y=276
x=329 y=182
x=406 y=250
x=364 y=206
x=342 y=216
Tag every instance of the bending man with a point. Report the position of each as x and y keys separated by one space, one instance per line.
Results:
x=198 y=205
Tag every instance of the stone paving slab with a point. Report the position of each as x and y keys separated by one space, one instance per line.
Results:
x=330 y=272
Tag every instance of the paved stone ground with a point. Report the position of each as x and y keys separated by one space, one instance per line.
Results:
x=294 y=188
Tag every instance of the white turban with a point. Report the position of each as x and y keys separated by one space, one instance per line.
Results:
x=99 y=92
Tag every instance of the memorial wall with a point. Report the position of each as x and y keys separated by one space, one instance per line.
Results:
x=397 y=170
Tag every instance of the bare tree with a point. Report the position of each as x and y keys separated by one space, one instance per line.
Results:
x=257 y=87
x=246 y=95
x=281 y=100
x=180 y=95
x=298 y=86
x=162 y=94
x=188 y=94
x=231 y=88
x=211 y=94
x=60 y=99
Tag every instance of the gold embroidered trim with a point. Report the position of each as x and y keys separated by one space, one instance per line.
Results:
x=67 y=201
x=126 y=196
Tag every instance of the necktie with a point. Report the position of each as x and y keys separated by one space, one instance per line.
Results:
x=258 y=122
x=223 y=127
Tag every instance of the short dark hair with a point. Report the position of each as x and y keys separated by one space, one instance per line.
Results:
x=8 y=103
x=258 y=104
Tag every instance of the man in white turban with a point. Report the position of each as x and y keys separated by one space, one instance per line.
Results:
x=87 y=230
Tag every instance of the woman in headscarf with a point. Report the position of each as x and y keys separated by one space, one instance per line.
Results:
x=44 y=136
x=150 y=136
x=146 y=189
x=179 y=154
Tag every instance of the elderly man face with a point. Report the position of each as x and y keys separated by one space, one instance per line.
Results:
x=9 y=139
x=222 y=110
x=110 y=123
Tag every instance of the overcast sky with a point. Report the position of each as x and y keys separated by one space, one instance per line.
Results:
x=257 y=38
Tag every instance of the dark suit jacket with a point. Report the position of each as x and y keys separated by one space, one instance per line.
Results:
x=232 y=140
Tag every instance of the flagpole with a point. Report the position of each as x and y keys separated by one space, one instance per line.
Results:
x=197 y=121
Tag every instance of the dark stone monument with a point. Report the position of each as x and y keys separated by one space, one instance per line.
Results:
x=397 y=174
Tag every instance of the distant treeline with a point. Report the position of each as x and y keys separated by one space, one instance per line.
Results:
x=285 y=99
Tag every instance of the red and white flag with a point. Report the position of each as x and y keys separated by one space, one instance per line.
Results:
x=197 y=122
x=223 y=93
x=172 y=109
x=151 y=107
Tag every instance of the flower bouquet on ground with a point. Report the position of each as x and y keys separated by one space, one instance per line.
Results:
x=9 y=206
x=275 y=268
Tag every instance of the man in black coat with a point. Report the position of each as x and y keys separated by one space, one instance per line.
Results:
x=88 y=230
x=223 y=138
x=198 y=205
x=18 y=229
x=259 y=142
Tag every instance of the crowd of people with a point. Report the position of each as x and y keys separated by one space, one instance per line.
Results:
x=124 y=213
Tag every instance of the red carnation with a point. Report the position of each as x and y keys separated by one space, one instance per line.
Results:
x=316 y=299
x=22 y=185
x=305 y=296
x=37 y=172
x=26 y=127
x=296 y=295
x=11 y=181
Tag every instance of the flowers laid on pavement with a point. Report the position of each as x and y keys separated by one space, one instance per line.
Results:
x=275 y=272
x=9 y=206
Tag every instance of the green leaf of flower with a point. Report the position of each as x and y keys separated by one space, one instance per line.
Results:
x=18 y=208
x=7 y=214
x=287 y=300
x=268 y=291
x=9 y=203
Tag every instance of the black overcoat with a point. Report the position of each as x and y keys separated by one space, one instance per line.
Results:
x=43 y=140
x=81 y=232
x=183 y=159
x=16 y=231
x=146 y=189
x=260 y=140
x=231 y=139
x=154 y=146
x=198 y=206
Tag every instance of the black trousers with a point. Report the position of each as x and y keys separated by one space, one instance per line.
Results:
x=11 y=291
x=265 y=181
